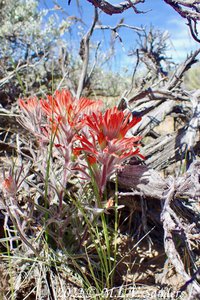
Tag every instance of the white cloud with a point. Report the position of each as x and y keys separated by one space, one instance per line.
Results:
x=181 y=42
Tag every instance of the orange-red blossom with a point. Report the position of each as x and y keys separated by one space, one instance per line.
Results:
x=9 y=185
x=104 y=144
x=59 y=114
x=107 y=146
x=63 y=108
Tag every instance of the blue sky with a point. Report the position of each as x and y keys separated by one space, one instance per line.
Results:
x=158 y=14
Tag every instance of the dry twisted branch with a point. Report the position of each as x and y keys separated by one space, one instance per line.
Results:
x=154 y=104
x=189 y=10
x=111 y=9
x=179 y=212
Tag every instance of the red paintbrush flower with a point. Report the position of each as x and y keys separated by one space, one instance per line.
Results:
x=9 y=185
x=30 y=106
x=31 y=116
x=57 y=118
x=114 y=124
x=63 y=108
x=106 y=143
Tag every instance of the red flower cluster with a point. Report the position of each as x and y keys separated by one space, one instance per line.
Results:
x=106 y=145
x=9 y=185
x=98 y=141
x=63 y=108
x=60 y=115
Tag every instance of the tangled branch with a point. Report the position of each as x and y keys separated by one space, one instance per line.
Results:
x=189 y=10
x=111 y=9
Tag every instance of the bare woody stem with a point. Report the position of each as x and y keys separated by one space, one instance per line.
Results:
x=84 y=49
x=187 y=9
x=111 y=9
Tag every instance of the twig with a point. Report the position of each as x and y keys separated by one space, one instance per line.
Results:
x=111 y=9
x=179 y=72
x=194 y=277
x=189 y=10
x=193 y=30
x=169 y=225
x=119 y=25
x=4 y=80
x=85 y=55
x=15 y=222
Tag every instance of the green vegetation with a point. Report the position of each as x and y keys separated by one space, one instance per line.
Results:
x=85 y=208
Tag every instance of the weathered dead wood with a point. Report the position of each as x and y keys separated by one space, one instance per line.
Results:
x=173 y=223
x=174 y=80
x=157 y=113
x=154 y=104
x=168 y=149
x=157 y=102
x=149 y=183
x=84 y=53
x=138 y=178
x=174 y=147
x=188 y=9
x=192 y=134
x=178 y=212
x=189 y=184
x=111 y=9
